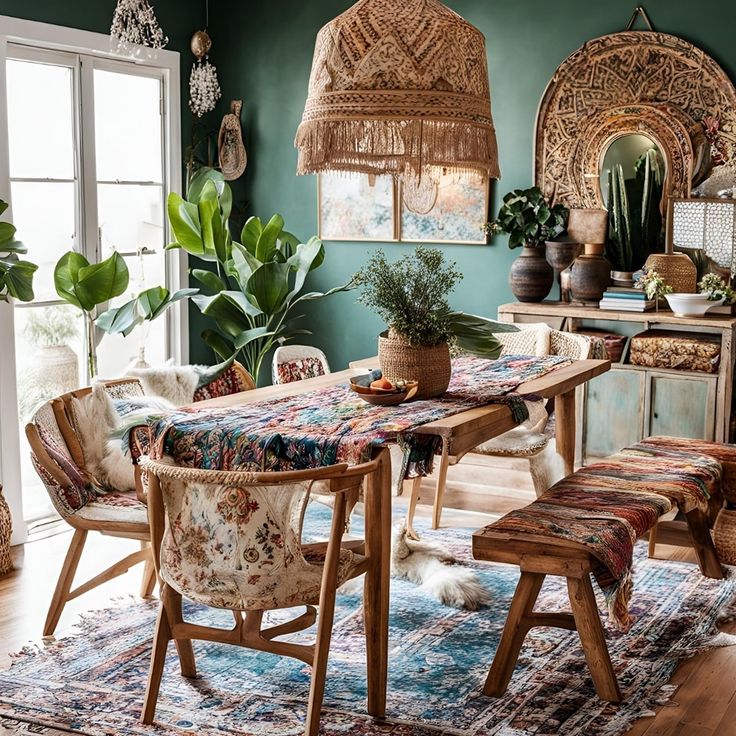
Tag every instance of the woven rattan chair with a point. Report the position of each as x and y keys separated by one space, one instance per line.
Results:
x=232 y=540
x=234 y=380
x=519 y=442
x=59 y=461
x=297 y=362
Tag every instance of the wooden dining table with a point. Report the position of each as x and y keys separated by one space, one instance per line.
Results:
x=460 y=433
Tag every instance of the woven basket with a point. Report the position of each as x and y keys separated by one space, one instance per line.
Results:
x=724 y=536
x=6 y=529
x=431 y=366
x=676 y=269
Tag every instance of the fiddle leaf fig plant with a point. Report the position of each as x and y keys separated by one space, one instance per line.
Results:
x=528 y=218
x=87 y=285
x=16 y=275
x=254 y=295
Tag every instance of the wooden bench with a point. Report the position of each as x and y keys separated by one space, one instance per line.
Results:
x=540 y=554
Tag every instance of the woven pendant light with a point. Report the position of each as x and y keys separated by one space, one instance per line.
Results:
x=398 y=87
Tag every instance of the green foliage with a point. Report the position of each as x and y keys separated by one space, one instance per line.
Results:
x=635 y=220
x=528 y=218
x=16 y=275
x=257 y=288
x=653 y=285
x=716 y=288
x=48 y=326
x=411 y=296
x=147 y=306
x=85 y=285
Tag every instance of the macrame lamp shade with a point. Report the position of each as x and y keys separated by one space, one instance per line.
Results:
x=398 y=87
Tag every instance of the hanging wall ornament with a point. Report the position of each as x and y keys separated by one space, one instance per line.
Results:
x=204 y=89
x=230 y=148
x=134 y=25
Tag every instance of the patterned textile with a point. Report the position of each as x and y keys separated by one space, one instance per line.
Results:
x=93 y=681
x=664 y=349
x=227 y=383
x=298 y=370
x=334 y=425
x=239 y=547
x=606 y=522
x=121 y=507
x=725 y=454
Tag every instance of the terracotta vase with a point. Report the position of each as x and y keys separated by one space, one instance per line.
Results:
x=531 y=277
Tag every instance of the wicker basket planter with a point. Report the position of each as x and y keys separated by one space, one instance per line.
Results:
x=430 y=366
x=724 y=536
x=6 y=529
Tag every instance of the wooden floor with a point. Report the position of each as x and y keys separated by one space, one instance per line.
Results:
x=704 y=705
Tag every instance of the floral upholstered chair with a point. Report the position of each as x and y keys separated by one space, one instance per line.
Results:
x=58 y=457
x=232 y=381
x=526 y=442
x=232 y=540
x=297 y=362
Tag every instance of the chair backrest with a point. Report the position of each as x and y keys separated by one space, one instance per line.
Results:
x=232 y=381
x=232 y=539
x=570 y=345
x=531 y=339
x=297 y=362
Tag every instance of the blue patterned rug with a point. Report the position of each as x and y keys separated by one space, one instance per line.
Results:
x=92 y=682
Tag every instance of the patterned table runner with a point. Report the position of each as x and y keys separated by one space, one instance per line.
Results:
x=334 y=425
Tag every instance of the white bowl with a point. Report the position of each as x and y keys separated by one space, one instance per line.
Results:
x=691 y=305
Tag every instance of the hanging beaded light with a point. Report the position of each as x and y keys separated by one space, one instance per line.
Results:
x=134 y=25
x=398 y=88
x=204 y=89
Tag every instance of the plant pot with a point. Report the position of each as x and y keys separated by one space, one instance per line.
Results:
x=622 y=278
x=531 y=277
x=58 y=369
x=6 y=529
x=560 y=254
x=430 y=366
x=590 y=275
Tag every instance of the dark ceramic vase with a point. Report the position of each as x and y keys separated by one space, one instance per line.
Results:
x=591 y=276
x=531 y=277
x=560 y=254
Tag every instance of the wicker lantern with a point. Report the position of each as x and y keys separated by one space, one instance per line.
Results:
x=398 y=88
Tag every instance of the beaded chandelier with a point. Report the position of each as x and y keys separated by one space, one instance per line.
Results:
x=134 y=24
x=401 y=88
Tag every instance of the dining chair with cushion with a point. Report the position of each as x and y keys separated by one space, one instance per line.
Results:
x=297 y=362
x=233 y=540
x=530 y=442
x=81 y=500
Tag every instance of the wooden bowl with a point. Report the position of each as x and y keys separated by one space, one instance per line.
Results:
x=381 y=397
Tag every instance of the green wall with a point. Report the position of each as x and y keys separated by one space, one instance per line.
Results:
x=267 y=61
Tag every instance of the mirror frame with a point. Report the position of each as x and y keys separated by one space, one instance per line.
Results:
x=630 y=82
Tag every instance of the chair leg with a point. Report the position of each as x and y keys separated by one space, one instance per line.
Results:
x=416 y=486
x=64 y=584
x=158 y=659
x=149 y=575
x=326 y=619
x=171 y=602
x=441 y=482
x=514 y=633
x=652 y=549
x=697 y=523
x=593 y=638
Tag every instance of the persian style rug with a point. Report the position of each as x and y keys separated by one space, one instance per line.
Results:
x=92 y=682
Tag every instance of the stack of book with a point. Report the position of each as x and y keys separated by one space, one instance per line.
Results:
x=625 y=299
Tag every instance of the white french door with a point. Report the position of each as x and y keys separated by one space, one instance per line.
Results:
x=93 y=149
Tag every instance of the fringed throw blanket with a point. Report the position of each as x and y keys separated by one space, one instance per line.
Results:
x=334 y=425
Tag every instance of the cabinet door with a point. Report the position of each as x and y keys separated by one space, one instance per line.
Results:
x=613 y=412
x=682 y=407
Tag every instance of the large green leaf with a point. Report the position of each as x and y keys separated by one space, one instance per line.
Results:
x=7 y=232
x=120 y=320
x=268 y=238
x=268 y=286
x=248 y=336
x=302 y=262
x=200 y=179
x=209 y=279
x=186 y=227
x=223 y=347
x=18 y=280
x=227 y=310
x=244 y=264
x=251 y=233
x=100 y=282
x=66 y=277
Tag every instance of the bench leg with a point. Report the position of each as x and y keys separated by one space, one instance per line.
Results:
x=697 y=523
x=593 y=638
x=514 y=632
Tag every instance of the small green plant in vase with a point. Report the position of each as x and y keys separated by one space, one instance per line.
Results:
x=654 y=287
x=530 y=220
x=411 y=296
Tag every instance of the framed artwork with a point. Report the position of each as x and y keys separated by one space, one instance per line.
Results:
x=359 y=207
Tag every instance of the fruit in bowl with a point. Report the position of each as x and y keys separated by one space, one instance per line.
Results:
x=374 y=388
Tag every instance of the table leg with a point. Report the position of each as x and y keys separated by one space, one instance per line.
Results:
x=376 y=592
x=565 y=428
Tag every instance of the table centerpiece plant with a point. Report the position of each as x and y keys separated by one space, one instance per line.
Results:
x=411 y=296
x=530 y=221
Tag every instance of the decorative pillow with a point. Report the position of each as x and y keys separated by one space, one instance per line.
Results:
x=298 y=370
x=531 y=339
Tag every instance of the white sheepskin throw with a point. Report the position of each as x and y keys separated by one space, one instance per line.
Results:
x=95 y=418
x=175 y=383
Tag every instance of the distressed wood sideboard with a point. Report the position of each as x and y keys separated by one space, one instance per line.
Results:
x=630 y=401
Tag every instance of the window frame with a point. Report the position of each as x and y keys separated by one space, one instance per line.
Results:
x=22 y=37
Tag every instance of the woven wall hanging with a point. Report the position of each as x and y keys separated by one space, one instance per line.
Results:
x=398 y=88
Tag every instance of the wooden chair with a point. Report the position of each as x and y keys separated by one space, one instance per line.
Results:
x=190 y=509
x=59 y=461
x=232 y=381
x=520 y=442
x=297 y=362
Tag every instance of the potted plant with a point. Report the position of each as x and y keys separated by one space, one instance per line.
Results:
x=50 y=329
x=410 y=295
x=530 y=221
